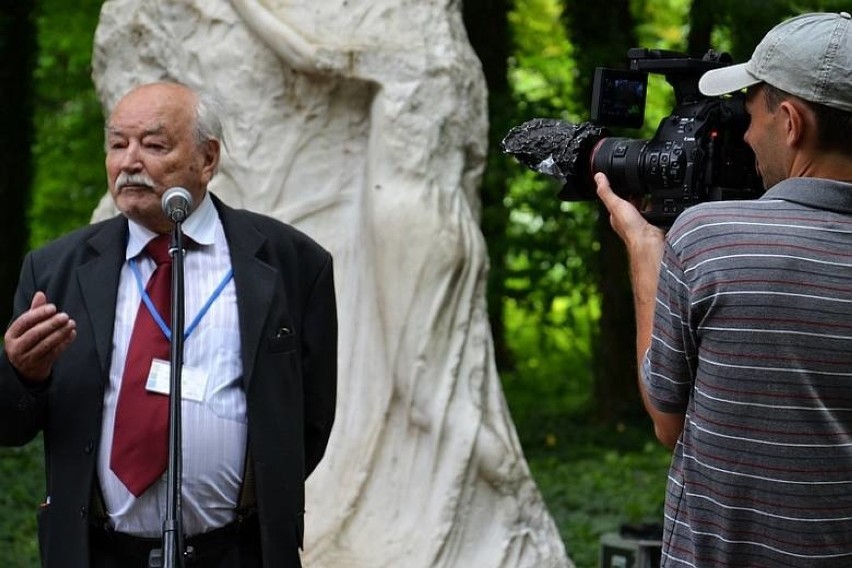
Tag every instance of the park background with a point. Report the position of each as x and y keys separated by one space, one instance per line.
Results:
x=559 y=296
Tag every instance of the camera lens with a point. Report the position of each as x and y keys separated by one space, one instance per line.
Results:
x=621 y=160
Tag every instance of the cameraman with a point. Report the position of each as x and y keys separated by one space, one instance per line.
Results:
x=744 y=321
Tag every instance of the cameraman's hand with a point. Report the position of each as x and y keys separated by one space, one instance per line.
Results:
x=638 y=235
x=644 y=241
x=645 y=244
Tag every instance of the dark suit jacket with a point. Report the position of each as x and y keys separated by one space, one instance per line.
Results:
x=283 y=280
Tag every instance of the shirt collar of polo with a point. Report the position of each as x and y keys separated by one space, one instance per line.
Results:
x=819 y=193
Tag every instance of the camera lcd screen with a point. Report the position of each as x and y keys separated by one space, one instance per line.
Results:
x=618 y=97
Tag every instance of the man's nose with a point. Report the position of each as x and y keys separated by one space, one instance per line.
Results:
x=131 y=158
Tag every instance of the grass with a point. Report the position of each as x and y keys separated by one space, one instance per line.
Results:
x=595 y=479
x=21 y=490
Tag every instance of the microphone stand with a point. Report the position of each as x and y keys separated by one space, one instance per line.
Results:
x=172 y=554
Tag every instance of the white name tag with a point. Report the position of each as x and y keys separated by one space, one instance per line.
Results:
x=193 y=382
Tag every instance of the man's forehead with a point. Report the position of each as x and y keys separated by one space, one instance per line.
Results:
x=149 y=115
x=158 y=93
x=120 y=130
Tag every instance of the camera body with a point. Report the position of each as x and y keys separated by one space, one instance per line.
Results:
x=697 y=153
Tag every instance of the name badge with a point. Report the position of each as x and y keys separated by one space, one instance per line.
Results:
x=193 y=382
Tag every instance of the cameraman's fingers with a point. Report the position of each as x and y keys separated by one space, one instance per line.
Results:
x=623 y=215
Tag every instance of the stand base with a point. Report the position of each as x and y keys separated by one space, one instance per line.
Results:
x=620 y=552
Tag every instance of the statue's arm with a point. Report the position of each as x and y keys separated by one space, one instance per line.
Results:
x=286 y=41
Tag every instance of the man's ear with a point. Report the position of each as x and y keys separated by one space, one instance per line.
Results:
x=798 y=122
x=210 y=153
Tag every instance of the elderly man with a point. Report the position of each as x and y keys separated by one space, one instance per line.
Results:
x=90 y=338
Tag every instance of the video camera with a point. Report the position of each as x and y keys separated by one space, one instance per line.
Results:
x=697 y=153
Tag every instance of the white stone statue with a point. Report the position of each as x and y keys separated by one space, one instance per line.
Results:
x=363 y=123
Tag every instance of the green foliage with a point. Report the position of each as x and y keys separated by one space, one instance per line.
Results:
x=68 y=152
x=541 y=70
x=69 y=174
x=742 y=23
x=551 y=248
x=597 y=489
x=662 y=23
x=549 y=291
x=22 y=490
x=551 y=308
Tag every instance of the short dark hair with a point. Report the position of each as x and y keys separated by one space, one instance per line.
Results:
x=834 y=125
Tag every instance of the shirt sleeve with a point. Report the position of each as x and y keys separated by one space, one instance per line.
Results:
x=669 y=367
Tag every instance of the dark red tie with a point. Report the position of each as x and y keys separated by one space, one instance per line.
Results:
x=140 y=435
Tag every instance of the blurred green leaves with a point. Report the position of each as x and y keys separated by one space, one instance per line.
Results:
x=68 y=151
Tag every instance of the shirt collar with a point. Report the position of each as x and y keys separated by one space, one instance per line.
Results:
x=818 y=193
x=200 y=226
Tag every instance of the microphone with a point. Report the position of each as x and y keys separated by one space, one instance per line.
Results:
x=177 y=202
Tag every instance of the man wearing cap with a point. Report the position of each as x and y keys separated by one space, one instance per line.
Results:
x=744 y=321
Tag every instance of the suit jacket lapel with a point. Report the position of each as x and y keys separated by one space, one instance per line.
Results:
x=98 y=281
x=254 y=280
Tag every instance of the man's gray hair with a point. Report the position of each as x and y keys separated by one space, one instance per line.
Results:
x=209 y=111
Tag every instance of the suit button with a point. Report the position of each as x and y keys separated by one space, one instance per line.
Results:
x=83 y=512
x=90 y=447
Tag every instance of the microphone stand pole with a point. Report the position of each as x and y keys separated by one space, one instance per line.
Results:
x=172 y=553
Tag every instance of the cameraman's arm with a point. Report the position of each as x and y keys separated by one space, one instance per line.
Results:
x=645 y=244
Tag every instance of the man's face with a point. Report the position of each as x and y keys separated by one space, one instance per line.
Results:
x=765 y=137
x=151 y=147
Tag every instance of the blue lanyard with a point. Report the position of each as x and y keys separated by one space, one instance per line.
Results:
x=156 y=315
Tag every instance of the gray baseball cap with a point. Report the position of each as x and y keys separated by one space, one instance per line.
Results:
x=809 y=56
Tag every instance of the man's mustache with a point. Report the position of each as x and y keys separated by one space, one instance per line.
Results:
x=125 y=179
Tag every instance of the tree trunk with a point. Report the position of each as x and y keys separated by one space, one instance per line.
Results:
x=605 y=44
x=488 y=30
x=17 y=54
x=702 y=18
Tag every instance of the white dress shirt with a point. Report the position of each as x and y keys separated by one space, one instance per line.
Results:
x=214 y=428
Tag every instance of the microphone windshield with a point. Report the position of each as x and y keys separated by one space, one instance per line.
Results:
x=177 y=203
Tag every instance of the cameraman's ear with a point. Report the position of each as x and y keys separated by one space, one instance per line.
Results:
x=799 y=122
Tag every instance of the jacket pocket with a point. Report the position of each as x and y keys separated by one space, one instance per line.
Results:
x=283 y=340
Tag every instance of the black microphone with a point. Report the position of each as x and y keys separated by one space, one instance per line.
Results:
x=177 y=202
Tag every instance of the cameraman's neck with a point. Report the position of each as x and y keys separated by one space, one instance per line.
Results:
x=826 y=165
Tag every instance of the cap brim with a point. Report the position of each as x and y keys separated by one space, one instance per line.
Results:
x=726 y=80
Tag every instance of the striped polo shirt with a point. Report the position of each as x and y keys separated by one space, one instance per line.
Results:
x=753 y=342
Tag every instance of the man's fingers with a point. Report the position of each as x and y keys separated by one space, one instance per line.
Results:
x=40 y=311
x=39 y=299
x=44 y=337
x=40 y=315
x=37 y=337
x=605 y=191
x=59 y=342
x=625 y=218
x=616 y=206
x=34 y=358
